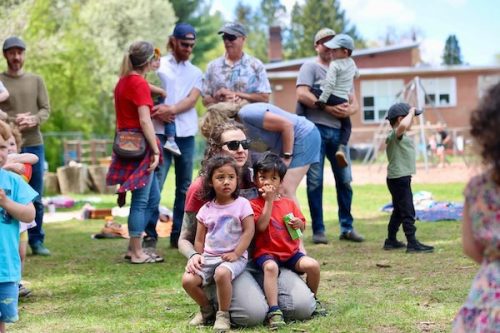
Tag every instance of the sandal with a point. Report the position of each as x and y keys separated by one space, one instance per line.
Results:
x=152 y=253
x=146 y=260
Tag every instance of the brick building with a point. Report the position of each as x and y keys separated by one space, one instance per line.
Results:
x=451 y=91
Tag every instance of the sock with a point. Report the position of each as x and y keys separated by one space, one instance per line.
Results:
x=273 y=308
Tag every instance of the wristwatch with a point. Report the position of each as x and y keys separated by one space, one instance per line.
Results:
x=287 y=156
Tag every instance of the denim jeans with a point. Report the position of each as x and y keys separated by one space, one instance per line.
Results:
x=144 y=207
x=37 y=234
x=330 y=139
x=183 y=177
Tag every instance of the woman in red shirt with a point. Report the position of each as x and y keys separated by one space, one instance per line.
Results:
x=133 y=105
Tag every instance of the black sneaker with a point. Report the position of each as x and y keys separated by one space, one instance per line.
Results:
x=352 y=236
x=23 y=291
x=320 y=238
x=393 y=244
x=417 y=247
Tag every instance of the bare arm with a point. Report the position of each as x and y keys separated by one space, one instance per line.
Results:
x=22 y=158
x=275 y=123
x=4 y=95
x=149 y=134
x=157 y=90
x=248 y=226
x=227 y=95
x=188 y=234
x=405 y=123
x=471 y=248
x=167 y=113
x=20 y=212
x=199 y=242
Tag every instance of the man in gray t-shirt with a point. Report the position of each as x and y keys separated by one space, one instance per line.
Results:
x=311 y=75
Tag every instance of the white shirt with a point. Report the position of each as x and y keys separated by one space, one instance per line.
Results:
x=178 y=79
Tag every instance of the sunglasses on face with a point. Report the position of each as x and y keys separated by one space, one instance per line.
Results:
x=187 y=45
x=235 y=144
x=229 y=37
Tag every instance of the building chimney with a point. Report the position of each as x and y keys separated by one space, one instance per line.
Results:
x=275 y=50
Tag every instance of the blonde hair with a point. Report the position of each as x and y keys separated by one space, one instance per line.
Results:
x=218 y=114
x=16 y=133
x=5 y=131
x=137 y=58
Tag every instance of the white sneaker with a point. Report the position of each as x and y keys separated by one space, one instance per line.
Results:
x=172 y=147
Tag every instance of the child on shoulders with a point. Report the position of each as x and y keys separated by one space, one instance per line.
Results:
x=274 y=245
x=224 y=232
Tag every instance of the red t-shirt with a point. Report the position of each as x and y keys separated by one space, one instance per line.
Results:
x=276 y=240
x=131 y=91
x=193 y=202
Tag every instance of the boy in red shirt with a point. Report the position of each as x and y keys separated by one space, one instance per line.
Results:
x=274 y=246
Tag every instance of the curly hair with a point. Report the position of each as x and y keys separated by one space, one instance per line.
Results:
x=16 y=133
x=5 y=131
x=218 y=114
x=214 y=163
x=485 y=122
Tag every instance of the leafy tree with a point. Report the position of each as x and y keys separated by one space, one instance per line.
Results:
x=308 y=18
x=256 y=42
x=273 y=12
x=452 y=54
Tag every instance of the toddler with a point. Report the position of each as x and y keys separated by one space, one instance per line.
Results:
x=224 y=232
x=274 y=246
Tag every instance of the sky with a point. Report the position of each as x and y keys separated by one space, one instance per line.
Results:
x=476 y=23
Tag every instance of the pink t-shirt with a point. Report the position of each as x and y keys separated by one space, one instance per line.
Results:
x=223 y=224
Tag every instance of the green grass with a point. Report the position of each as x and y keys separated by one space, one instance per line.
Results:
x=85 y=286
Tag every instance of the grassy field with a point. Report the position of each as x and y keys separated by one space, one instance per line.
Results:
x=86 y=286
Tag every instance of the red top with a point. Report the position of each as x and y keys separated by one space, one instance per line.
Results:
x=131 y=91
x=276 y=240
x=193 y=202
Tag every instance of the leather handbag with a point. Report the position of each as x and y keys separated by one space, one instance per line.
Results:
x=129 y=145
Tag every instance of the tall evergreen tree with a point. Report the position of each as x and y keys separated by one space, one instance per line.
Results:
x=308 y=18
x=452 y=54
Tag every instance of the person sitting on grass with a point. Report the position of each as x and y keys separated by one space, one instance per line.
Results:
x=401 y=156
x=16 y=204
x=225 y=230
x=274 y=245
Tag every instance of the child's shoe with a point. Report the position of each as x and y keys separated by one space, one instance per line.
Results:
x=206 y=316
x=391 y=244
x=23 y=291
x=222 y=322
x=172 y=147
x=275 y=319
x=319 y=310
x=416 y=247
x=341 y=157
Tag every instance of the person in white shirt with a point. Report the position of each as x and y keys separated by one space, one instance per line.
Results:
x=183 y=83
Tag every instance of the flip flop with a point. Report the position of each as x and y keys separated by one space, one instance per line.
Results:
x=147 y=260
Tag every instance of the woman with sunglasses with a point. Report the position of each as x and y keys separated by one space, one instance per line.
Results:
x=294 y=138
x=248 y=304
x=133 y=105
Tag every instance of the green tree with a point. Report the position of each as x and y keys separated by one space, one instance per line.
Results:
x=273 y=12
x=256 y=41
x=308 y=18
x=452 y=54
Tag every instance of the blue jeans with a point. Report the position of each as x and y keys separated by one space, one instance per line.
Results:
x=183 y=177
x=143 y=207
x=37 y=234
x=330 y=139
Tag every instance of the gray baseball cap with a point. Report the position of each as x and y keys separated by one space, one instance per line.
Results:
x=13 y=42
x=341 y=40
x=400 y=110
x=233 y=28
x=323 y=33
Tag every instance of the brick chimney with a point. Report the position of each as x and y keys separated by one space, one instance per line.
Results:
x=275 y=51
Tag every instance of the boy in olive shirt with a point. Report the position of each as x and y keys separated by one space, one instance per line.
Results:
x=401 y=156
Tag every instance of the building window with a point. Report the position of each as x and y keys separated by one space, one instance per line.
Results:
x=440 y=92
x=377 y=97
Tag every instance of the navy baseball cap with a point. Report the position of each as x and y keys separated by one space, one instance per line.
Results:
x=13 y=42
x=182 y=30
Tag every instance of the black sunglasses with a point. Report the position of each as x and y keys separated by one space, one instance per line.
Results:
x=235 y=144
x=229 y=37
x=187 y=45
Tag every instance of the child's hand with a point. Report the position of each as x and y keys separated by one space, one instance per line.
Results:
x=268 y=192
x=231 y=256
x=296 y=223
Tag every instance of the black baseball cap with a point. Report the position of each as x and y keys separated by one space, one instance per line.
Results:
x=13 y=41
x=400 y=110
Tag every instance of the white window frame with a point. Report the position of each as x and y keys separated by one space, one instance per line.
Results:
x=441 y=86
x=384 y=94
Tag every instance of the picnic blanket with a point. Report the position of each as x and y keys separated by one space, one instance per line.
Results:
x=429 y=210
